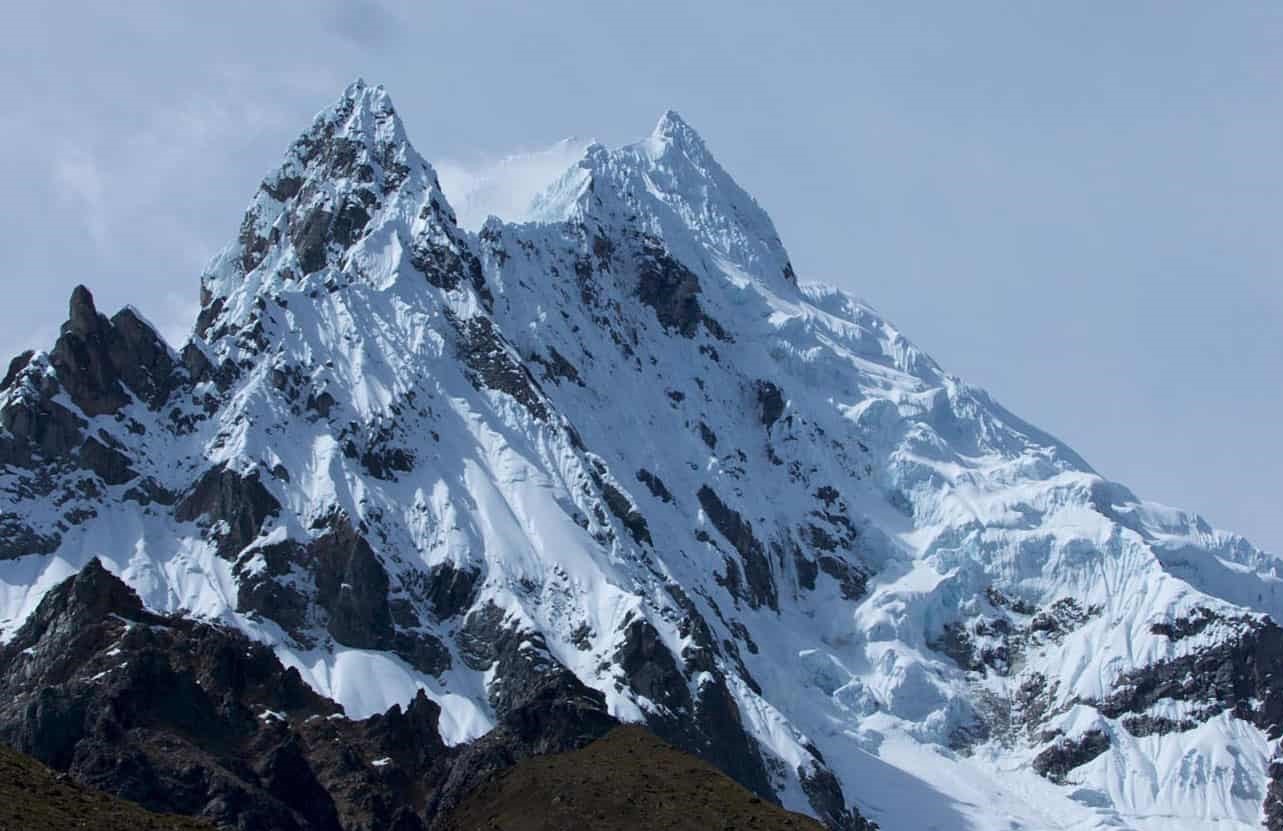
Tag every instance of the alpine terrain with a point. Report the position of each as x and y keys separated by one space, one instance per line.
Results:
x=416 y=503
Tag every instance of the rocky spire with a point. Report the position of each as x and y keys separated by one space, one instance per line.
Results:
x=99 y=361
x=351 y=173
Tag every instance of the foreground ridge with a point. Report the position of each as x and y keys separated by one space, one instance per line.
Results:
x=34 y=798
x=618 y=461
x=627 y=780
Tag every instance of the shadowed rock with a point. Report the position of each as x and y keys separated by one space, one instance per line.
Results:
x=222 y=495
x=1057 y=761
x=739 y=533
x=99 y=361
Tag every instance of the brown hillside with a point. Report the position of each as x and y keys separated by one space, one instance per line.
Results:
x=34 y=798
x=628 y=780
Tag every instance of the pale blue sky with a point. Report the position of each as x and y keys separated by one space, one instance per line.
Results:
x=1075 y=205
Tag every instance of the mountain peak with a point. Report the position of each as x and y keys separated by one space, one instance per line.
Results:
x=673 y=129
x=671 y=184
x=82 y=314
x=352 y=172
x=363 y=113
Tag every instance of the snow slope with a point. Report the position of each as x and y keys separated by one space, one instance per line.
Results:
x=622 y=439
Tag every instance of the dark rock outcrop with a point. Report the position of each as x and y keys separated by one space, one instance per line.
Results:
x=825 y=795
x=82 y=360
x=1239 y=674
x=100 y=361
x=650 y=668
x=241 y=503
x=770 y=403
x=191 y=718
x=352 y=587
x=851 y=580
x=623 y=508
x=1273 y=808
x=18 y=539
x=739 y=533
x=450 y=590
x=36 y=428
x=655 y=485
x=16 y=366
x=335 y=584
x=707 y=723
x=111 y=465
x=672 y=290
x=1064 y=755
x=491 y=366
x=446 y=265
x=559 y=715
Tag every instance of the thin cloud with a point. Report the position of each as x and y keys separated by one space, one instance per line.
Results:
x=78 y=178
x=504 y=186
x=365 y=23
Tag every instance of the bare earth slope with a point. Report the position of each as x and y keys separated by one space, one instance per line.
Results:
x=628 y=780
x=34 y=798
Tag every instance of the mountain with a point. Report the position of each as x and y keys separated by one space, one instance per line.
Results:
x=615 y=463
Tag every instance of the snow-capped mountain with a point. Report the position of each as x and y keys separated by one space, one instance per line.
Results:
x=622 y=444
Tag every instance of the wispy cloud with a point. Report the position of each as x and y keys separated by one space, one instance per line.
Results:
x=366 y=23
x=78 y=179
x=504 y=185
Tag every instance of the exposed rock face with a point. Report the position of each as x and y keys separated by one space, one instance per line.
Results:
x=97 y=368
x=97 y=360
x=336 y=583
x=185 y=717
x=111 y=465
x=353 y=589
x=491 y=366
x=822 y=788
x=17 y=365
x=708 y=723
x=739 y=533
x=1239 y=674
x=671 y=290
x=622 y=507
x=239 y=504
x=557 y=717
x=996 y=644
x=191 y=718
x=655 y=485
x=1057 y=761
x=19 y=540
x=770 y=402
x=82 y=358
x=1274 y=797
